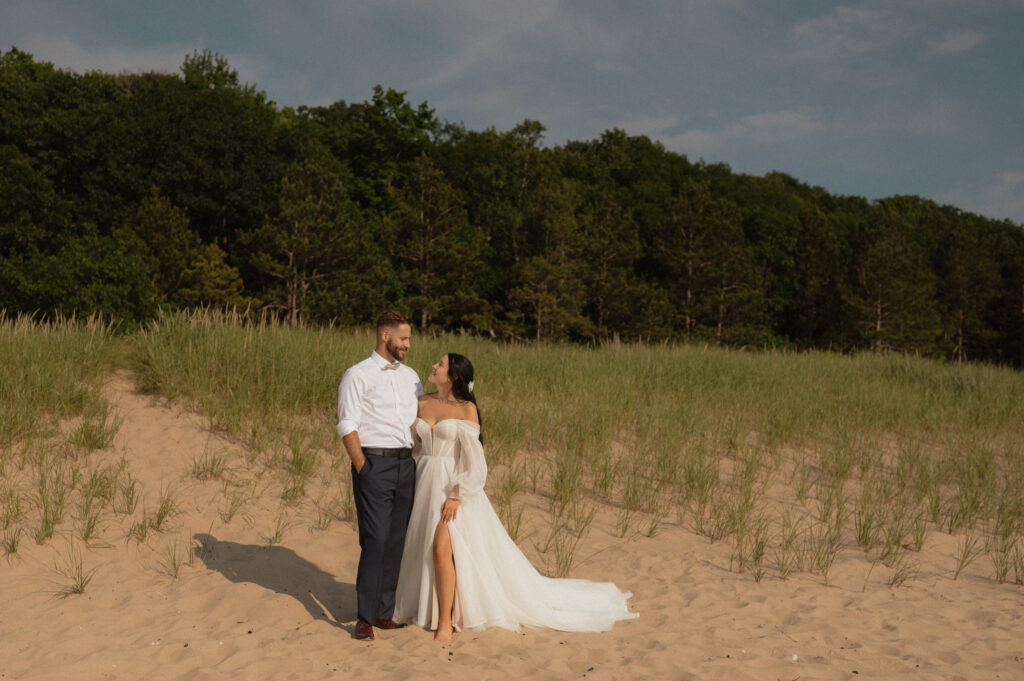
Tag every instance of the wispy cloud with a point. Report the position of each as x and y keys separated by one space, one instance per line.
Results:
x=66 y=52
x=958 y=42
x=758 y=130
x=845 y=31
x=499 y=38
x=1002 y=197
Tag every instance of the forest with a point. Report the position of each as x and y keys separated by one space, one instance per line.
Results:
x=124 y=195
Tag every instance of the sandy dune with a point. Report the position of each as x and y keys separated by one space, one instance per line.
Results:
x=245 y=609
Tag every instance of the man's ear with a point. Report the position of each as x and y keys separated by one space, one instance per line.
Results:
x=385 y=334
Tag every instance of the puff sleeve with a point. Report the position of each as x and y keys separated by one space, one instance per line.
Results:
x=470 y=465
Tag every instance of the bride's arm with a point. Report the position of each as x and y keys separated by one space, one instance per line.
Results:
x=470 y=465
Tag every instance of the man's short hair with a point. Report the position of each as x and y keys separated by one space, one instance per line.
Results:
x=391 y=319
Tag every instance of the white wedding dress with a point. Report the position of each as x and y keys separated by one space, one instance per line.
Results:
x=495 y=584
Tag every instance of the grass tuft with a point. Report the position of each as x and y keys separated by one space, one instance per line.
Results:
x=968 y=549
x=72 y=568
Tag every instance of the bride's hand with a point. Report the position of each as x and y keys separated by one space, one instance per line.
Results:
x=448 y=510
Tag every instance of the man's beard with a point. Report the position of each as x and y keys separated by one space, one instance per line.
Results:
x=394 y=350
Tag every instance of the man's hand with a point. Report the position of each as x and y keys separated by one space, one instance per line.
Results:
x=355 y=450
x=448 y=510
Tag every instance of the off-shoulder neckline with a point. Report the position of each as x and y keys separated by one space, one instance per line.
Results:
x=466 y=421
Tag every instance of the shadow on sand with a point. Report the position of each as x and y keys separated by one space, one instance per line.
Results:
x=283 y=571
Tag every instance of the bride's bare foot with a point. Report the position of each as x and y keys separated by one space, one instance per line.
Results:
x=444 y=634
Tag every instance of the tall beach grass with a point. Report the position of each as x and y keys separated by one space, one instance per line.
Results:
x=52 y=371
x=793 y=458
x=52 y=415
x=876 y=451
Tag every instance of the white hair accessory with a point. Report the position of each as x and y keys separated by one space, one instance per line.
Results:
x=470 y=386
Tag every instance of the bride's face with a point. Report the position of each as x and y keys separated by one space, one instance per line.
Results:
x=439 y=372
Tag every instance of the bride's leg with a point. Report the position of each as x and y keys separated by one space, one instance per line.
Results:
x=444 y=570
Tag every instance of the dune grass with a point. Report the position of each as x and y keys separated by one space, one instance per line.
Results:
x=52 y=416
x=793 y=458
x=72 y=568
x=874 y=451
x=52 y=371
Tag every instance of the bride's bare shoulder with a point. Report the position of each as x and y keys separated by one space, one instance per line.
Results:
x=468 y=412
x=426 y=406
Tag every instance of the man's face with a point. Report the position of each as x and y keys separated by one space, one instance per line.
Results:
x=397 y=340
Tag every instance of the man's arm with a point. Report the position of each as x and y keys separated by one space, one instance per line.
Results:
x=354 y=449
x=349 y=415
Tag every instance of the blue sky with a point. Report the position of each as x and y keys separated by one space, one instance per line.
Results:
x=864 y=97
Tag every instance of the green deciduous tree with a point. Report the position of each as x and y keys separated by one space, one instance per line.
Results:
x=380 y=140
x=211 y=146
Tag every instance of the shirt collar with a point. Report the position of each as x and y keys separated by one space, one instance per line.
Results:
x=378 y=360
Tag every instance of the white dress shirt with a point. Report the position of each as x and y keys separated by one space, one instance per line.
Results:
x=378 y=400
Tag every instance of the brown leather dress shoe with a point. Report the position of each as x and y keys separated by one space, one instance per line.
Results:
x=389 y=624
x=363 y=631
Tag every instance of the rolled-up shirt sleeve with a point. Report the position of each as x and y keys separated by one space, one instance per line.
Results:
x=349 y=409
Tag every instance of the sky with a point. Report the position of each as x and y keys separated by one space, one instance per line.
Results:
x=872 y=98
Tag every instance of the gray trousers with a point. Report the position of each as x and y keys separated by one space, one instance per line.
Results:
x=383 y=493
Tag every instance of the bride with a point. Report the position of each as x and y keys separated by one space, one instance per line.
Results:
x=460 y=569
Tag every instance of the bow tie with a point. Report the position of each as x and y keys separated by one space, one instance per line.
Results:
x=387 y=367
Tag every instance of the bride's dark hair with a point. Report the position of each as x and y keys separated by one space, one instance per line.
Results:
x=460 y=371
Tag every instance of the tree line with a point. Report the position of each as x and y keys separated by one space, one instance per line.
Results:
x=126 y=194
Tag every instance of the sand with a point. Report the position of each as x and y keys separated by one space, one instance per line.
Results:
x=248 y=609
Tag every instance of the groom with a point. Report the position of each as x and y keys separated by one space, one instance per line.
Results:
x=376 y=408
